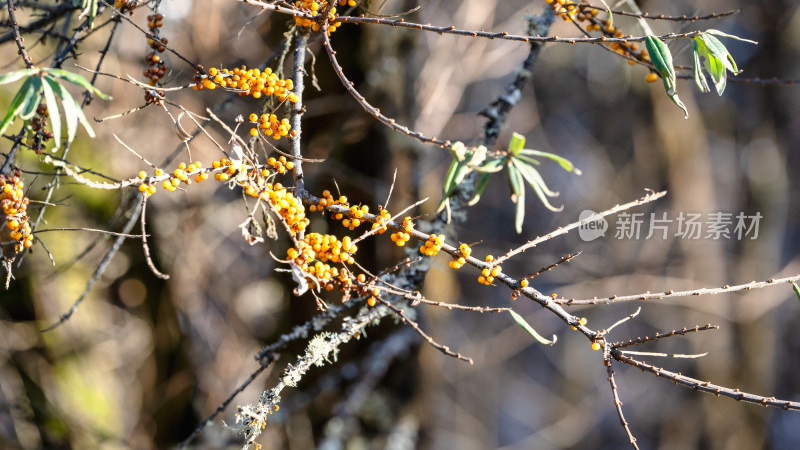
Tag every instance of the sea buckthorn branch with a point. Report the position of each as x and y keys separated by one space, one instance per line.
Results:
x=703 y=386
x=415 y=326
x=401 y=23
x=657 y=336
x=17 y=37
x=148 y=35
x=296 y=109
x=670 y=293
x=618 y=402
x=55 y=12
x=682 y=18
x=374 y=112
x=490 y=266
x=651 y=196
x=145 y=247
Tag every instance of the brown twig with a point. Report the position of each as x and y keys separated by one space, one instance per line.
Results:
x=671 y=294
x=17 y=37
x=704 y=386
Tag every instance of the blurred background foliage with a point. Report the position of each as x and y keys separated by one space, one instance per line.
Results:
x=143 y=361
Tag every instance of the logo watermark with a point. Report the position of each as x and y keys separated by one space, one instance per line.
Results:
x=593 y=227
x=713 y=225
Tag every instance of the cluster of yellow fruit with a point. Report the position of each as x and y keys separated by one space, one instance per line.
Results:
x=281 y=165
x=380 y=219
x=457 y=263
x=179 y=175
x=271 y=126
x=253 y=82
x=314 y=251
x=289 y=206
x=487 y=275
x=315 y=7
x=327 y=200
x=401 y=237
x=15 y=206
x=432 y=246
x=356 y=217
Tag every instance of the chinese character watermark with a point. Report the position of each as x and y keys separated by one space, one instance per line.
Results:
x=713 y=225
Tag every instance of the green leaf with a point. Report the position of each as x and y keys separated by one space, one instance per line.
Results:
x=70 y=109
x=492 y=166
x=661 y=57
x=720 y=33
x=565 y=163
x=533 y=177
x=74 y=78
x=32 y=99
x=527 y=327
x=699 y=78
x=518 y=186
x=796 y=290
x=16 y=105
x=52 y=109
x=516 y=144
x=16 y=75
x=540 y=188
x=483 y=181
x=716 y=48
x=81 y=117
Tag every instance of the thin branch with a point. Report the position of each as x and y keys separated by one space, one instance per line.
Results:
x=656 y=337
x=145 y=247
x=407 y=320
x=506 y=36
x=373 y=111
x=672 y=294
x=651 y=196
x=704 y=386
x=618 y=404
x=17 y=37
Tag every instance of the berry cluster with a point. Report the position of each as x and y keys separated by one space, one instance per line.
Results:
x=356 y=217
x=39 y=134
x=457 y=263
x=270 y=126
x=432 y=246
x=253 y=82
x=488 y=274
x=401 y=237
x=15 y=205
x=315 y=7
x=286 y=204
x=281 y=165
x=383 y=216
x=157 y=68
